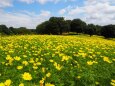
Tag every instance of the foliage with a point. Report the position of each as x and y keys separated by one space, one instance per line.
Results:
x=77 y=25
x=4 y=29
x=56 y=61
x=90 y=29
x=108 y=31
x=55 y=25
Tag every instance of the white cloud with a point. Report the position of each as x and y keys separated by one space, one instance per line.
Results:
x=27 y=1
x=94 y=11
x=44 y=1
x=25 y=19
x=5 y=3
x=62 y=11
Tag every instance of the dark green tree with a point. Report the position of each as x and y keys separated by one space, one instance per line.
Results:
x=108 y=31
x=4 y=30
x=55 y=25
x=98 y=30
x=59 y=22
x=68 y=23
x=41 y=28
x=90 y=29
x=23 y=30
x=13 y=30
x=77 y=25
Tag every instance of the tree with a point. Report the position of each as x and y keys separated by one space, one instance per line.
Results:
x=23 y=30
x=4 y=30
x=13 y=30
x=108 y=31
x=55 y=25
x=59 y=22
x=90 y=29
x=98 y=30
x=52 y=28
x=68 y=27
x=41 y=28
x=77 y=25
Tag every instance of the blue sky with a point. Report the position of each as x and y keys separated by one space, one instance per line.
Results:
x=30 y=13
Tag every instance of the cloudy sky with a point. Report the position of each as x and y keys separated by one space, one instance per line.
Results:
x=30 y=13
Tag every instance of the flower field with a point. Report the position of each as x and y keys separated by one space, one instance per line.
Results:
x=42 y=60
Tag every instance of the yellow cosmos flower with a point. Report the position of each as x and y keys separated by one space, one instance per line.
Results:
x=57 y=66
x=41 y=82
x=11 y=51
x=113 y=82
x=78 y=77
x=8 y=57
x=65 y=58
x=106 y=59
x=89 y=62
x=26 y=76
x=21 y=84
x=19 y=67
x=38 y=63
x=17 y=58
x=24 y=56
x=8 y=82
x=31 y=60
x=49 y=84
x=25 y=63
x=51 y=60
x=43 y=69
x=48 y=74
x=97 y=83
x=113 y=59
x=35 y=67
x=2 y=84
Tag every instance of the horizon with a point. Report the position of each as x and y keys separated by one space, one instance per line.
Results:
x=30 y=13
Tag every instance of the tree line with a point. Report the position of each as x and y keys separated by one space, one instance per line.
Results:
x=58 y=26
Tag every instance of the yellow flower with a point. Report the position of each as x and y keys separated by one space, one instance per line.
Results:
x=48 y=84
x=25 y=63
x=43 y=69
x=113 y=82
x=11 y=51
x=8 y=82
x=35 y=67
x=24 y=56
x=19 y=67
x=38 y=63
x=17 y=58
x=2 y=84
x=27 y=76
x=8 y=57
x=31 y=60
x=41 y=81
x=89 y=62
x=113 y=59
x=58 y=66
x=78 y=77
x=97 y=83
x=106 y=59
x=65 y=58
x=48 y=74
x=82 y=54
x=51 y=60
x=21 y=84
